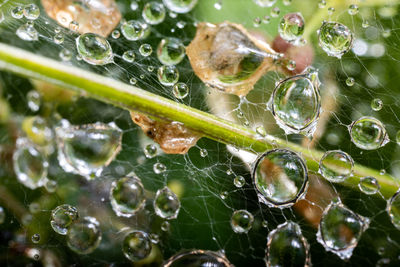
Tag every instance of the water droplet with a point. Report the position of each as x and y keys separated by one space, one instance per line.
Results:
x=155 y=239
x=133 y=81
x=382 y=172
x=280 y=177
x=218 y=5
x=150 y=68
x=170 y=51
x=134 y=5
x=198 y=258
x=284 y=104
x=203 y=153
x=257 y=22
x=340 y=229
x=180 y=90
x=223 y=195
x=17 y=12
x=87 y=149
x=2 y=215
x=115 y=34
x=129 y=56
x=165 y=226
x=353 y=10
x=166 y=204
x=150 y=151
x=65 y=54
x=84 y=235
x=27 y=32
x=51 y=186
x=322 y=4
x=30 y=164
x=350 y=81
x=31 y=11
x=58 y=38
x=291 y=27
x=286 y=246
x=73 y=26
x=291 y=65
x=134 y=30
x=33 y=100
x=37 y=129
x=287 y=2
x=168 y=75
x=94 y=49
x=62 y=217
x=241 y=221
x=331 y=10
x=275 y=12
x=35 y=238
x=369 y=185
x=265 y=3
x=335 y=39
x=368 y=133
x=336 y=166
x=239 y=181
x=136 y=246
x=261 y=131
x=393 y=209
x=376 y=104
x=145 y=50
x=127 y=196
x=159 y=168
x=153 y=13
x=34 y=207
x=180 y=6
x=365 y=24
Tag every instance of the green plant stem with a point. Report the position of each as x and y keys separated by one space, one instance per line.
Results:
x=132 y=98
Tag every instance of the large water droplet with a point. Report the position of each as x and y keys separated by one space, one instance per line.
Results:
x=87 y=149
x=336 y=166
x=286 y=246
x=368 y=133
x=340 y=229
x=369 y=185
x=291 y=27
x=134 y=30
x=265 y=3
x=393 y=209
x=280 y=177
x=153 y=13
x=17 y=12
x=168 y=75
x=30 y=164
x=62 y=217
x=27 y=32
x=31 y=11
x=198 y=258
x=166 y=204
x=136 y=246
x=335 y=39
x=241 y=221
x=94 y=49
x=170 y=51
x=84 y=235
x=296 y=104
x=127 y=196
x=180 y=6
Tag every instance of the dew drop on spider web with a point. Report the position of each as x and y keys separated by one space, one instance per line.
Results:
x=58 y=38
x=17 y=12
x=133 y=81
x=129 y=56
x=87 y=149
x=376 y=104
x=203 y=153
x=239 y=181
x=286 y=246
x=145 y=50
x=322 y=4
x=199 y=257
x=62 y=217
x=170 y=51
x=34 y=207
x=368 y=133
x=393 y=209
x=35 y=238
x=31 y=11
x=94 y=49
x=165 y=226
x=287 y=2
x=150 y=151
x=291 y=27
x=159 y=168
x=369 y=185
x=127 y=196
x=2 y=215
x=180 y=6
x=134 y=5
x=134 y=30
x=30 y=164
x=180 y=90
x=336 y=166
x=241 y=221
x=335 y=39
x=350 y=81
x=153 y=13
x=115 y=34
x=280 y=177
x=340 y=229
x=51 y=186
x=168 y=75
x=27 y=32
x=166 y=204
x=84 y=235
x=331 y=10
x=136 y=246
x=265 y=3
x=353 y=10
x=275 y=12
x=65 y=54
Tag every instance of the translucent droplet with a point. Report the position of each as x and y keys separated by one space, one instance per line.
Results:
x=145 y=50
x=115 y=34
x=239 y=181
x=241 y=221
x=350 y=81
x=155 y=239
x=223 y=195
x=134 y=5
x=84 y=235
x=291 y=27
x=35 y=238
x=331 y=10
x=27 y=32
x=87 y=149
x=34 y=207
x=291 y=65
x=198 y=258
x=393 y=209
x=65 y=54
x=280 y=177
x=296 y=104
x=170 y=51
x=129 y=56
x=165 y=226
x=180 y=6
x=340 y=229
x=136 y=246
x=336 y=166
x=265 y=3
x=322 y=4
x=266 y=19
x=168 y=75
x=203 y=153
x=365 y=24
x=62 y=217
x=73 y=26
x=368 y=133
x=58 y=38
x=31 y=11
x=286 y=246
x=376 y=104
x=33 y=100
x=134 y=30
x=17 y=12
x=261 y=131
x=2 y=215
x=180 y=90
x=382 y=172
x=30 y=164
x=166 y=204
x=275 y=12
x=335 y=39
x=150 y=151
x=159 y=168
x=51 y=186
x=287 y=2
x=353 y=10
x=150 y=68
x=369 y=185
x=133 y=81
x=153 y=13
x=257 y=22
x=127 y=196
x=94 y=49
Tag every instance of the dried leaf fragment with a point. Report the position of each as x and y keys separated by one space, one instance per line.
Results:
x=96 y=16
x=173 y=137
x=225 y=56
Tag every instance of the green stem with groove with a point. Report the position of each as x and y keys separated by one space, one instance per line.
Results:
x=132 y=98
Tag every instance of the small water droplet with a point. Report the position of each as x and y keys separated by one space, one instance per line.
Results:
x=335 y=39
x=153 y=13
x=62 y=217
x=65 y=54
x=322 y=4
x=336 y=166
x=350 y=81
x=369 y=185
x=27 y=32
x=275 y=12
x=150 y=151
x=180 y=90
x=134 y=5
x=170 y=51
x=365 y=24
x=168 y=75
x=287 y=2
x=257 y=22
x=136 y=246
x=291 y=27
x=129 y=56
x=165 y=226
x=368 y=133
x=223 y=195
x=94 y=49
x=84 y=235
x=265 y=3
x=159 y=168
x=58 y=38
x=51 y=186
x=33 y=99
x=145 y=50
x=115 y=34
x=35 y=238
x=155 y=239
x=203 y=153
x=241 y=221
x=166 y=204
x=17 y=12
x=180 y=6
x=239 y=181
x=353 y=10
x=31 y=11
x=134 y=30
x=331 y=10
x=34 y=207
x=376 y=104
x=133 y=81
